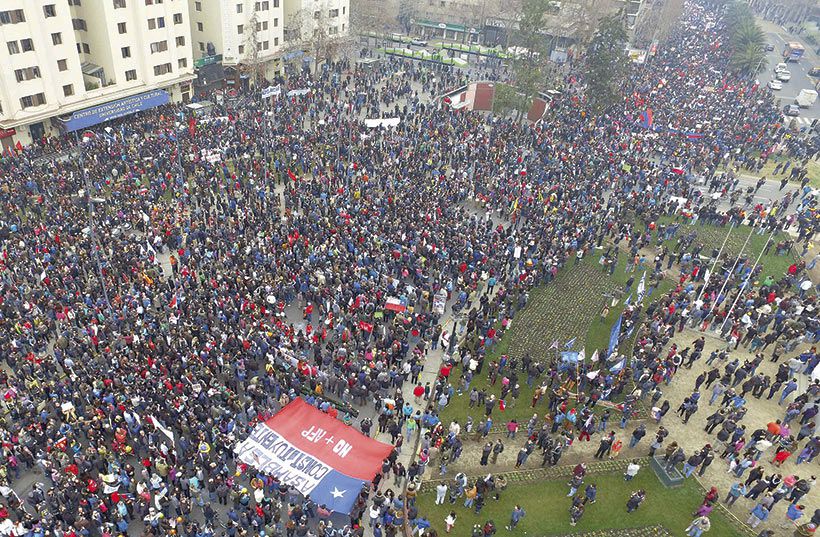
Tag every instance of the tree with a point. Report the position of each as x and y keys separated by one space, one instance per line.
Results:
x=749 y=59
x=746 y=39
x=311 y=31
x=530 y=65
x=657 y=20
x=607 y=64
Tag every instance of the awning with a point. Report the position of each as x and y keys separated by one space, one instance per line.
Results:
x=442 y=26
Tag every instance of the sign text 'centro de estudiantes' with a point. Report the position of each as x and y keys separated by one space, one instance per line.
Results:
x=82 y=119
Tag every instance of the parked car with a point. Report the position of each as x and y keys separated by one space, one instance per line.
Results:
x=775 y=85
x=419 y=42
x=769 y=47
x=784 y=76
x=791 y=110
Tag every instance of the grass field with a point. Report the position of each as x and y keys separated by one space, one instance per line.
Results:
x=547 y=508
x=570 y=307
x=813 y=171
x=713 y=237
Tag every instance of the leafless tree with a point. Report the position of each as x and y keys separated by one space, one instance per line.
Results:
x=656 y=20
x=311 y=32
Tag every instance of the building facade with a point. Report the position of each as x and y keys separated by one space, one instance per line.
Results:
x=254 y=39
x=61 y=57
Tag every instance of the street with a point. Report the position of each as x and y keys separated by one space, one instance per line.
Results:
x=778 y=37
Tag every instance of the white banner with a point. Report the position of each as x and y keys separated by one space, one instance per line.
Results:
x=265 y=450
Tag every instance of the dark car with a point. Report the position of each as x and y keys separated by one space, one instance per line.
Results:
x=769 y=47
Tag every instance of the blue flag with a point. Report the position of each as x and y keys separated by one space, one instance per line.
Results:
x=613 y=336
x=570 y=343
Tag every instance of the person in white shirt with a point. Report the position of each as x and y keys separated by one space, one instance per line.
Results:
x=632 y=470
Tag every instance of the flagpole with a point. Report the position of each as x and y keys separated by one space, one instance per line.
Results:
x=714 y=263
x=746 y=281
x=726 y=280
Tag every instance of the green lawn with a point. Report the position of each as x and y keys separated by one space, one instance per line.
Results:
x=713 y=236
x=561 y=310
x=547 y=508
x=813 y=171
x=570 y=307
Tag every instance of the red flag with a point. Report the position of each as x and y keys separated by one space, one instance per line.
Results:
x=292 y=175
x=173 y=302
x=19 y=146
x=367 y=327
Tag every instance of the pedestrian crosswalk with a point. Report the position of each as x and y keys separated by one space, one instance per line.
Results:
x=801 y=121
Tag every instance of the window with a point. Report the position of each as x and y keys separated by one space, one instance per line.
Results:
x=177 y=18
x=201 y=45
x=79 y=24
x=181 y=41
x=126 y=52
x=239 y=8
x=198 y=6
x=265 y=45
x=12 y=16
x=152 y=24
x=159 y=46
x=74 y=3
x=33 y=100
x=57 y=38
x=241 y=49
x=200 y=27
x=275 y=3
x=118 y=4
x=275 y=41
x=29 y=73
x=86 y=48
x=49 y=10
x=68 y=90
x=182 y=63
x=14 y=48
x=131 y=74
x=317 y=14
x=62 y=65
x=276 y=23
x=333 y=13
x=343 y=27
x=27 y=45
x=333 y=30
x=262 y=6
x=240 y=29
x=162 y=69
x=121 y=27
x=344 y=9
x=160 y=22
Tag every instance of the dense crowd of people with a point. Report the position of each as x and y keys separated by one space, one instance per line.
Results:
x=157 y=303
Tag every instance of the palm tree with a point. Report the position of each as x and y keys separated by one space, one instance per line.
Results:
x=747 y=32
x=749 y=59
x=737 y=12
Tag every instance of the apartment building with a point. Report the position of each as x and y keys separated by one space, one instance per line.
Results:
x=62 y=56
x=244 y=35
x=255 y=38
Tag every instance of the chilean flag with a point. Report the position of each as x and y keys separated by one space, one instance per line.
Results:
x=315 y=453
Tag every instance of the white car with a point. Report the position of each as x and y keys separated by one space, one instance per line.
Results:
x=775 y=85
x=784 y=76
x=781 y=67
